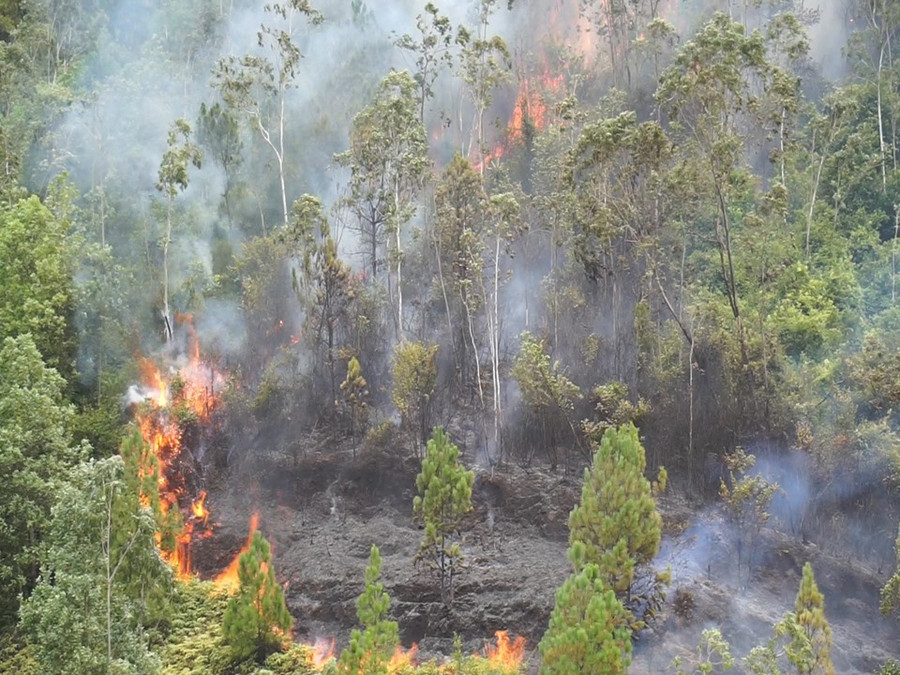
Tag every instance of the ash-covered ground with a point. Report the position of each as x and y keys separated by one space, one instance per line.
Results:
x=322 y=511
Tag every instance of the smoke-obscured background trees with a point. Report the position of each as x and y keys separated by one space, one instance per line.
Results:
x=529 y=223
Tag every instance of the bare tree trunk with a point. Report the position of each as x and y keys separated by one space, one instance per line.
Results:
x=399 y=254
x=471 y=327
x=167 y=319
x=881 y=122
x=894 y=252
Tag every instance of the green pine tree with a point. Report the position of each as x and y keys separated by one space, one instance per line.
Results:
x=588 y=631
x=257 y=617
x=810 y=640
x=370 y=650
x=617 y=520
x=445 y=497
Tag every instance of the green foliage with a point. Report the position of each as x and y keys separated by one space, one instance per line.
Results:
x=36 y=451
x=35 y=277
x=612 y=409
x=543 y=385
x=746 y=500
x=616 y=521
x=588 y=631
x=762 y=660
x=17 y=657
x=355 y=391
x=809 y=635
x=370 y=651
x=414 y=369
x=713 y=655
x=256 y=619
x=87 y=612
x=444 y=498
x=802 y=638
x=890 y=594
x=388 y=161
x=179 y=154
x=433 y=51
x=193 y=641
x=547 y=392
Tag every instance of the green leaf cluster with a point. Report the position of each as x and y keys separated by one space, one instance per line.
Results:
x=88 y=611
x=36 y=452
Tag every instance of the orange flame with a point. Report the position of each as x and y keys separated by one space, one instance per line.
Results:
x=229 y=578
x=162 y=423
x=402 y=659
x=154 y=381
x=505 y=655
x=321 y=652
x=198 y=508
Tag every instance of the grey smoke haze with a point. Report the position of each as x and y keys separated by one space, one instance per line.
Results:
x=828 y=37
x=142 y=82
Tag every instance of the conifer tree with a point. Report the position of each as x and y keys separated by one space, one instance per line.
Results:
x=809 y=649
x=256 y=617
x=445 y=497
x=354 y=388
x=588 y=631
x=370 y=650
x=616 y=519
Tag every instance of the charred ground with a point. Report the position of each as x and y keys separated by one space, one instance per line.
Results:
x=323 y=510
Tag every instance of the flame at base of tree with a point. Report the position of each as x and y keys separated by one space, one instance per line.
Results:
x=402 y=658
x=507 y=655
x=321 y=652
x=229 y=578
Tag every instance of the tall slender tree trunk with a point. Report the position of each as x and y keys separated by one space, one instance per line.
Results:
x=167 y=318
x=399 y=253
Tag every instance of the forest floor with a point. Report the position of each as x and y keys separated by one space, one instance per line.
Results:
x=323 y=512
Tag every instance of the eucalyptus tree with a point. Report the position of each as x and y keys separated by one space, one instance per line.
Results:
x=433 y=51
x=872 y=54
x=503 y=220
x=257 y=85
x=218 y=133
x=460 y=205
x=321 y=280
x=173 y=178
x=485 y=66
x=388 y=162
x=722 y=88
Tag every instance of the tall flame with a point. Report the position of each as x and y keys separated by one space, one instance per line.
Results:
x=228 y=578
x=506 y=655
x=189 y=394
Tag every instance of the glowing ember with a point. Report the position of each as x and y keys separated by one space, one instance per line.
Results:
x=321 y=652
x=506 y=655
x=402 y=659
x=229 y=577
